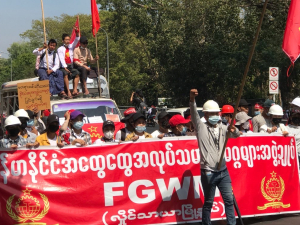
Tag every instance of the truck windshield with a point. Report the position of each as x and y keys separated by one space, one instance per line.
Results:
x=95 y=111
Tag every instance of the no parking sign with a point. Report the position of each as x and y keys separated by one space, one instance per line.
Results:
x=273 y=86
x=273 y=80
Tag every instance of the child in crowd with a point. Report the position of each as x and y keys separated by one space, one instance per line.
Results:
x=108 y=132
x=50 y=137
x=77 y=136
x=139 y=124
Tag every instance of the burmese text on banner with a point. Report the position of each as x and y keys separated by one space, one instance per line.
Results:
x=149 y=182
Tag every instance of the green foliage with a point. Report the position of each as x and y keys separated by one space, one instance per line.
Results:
x=167 y=47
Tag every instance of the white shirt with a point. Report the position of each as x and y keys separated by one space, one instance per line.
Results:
x=43 y=63
x=295 y=131
x=52 y=141
x=118 y=134
x=156 y=133
x=62 y=52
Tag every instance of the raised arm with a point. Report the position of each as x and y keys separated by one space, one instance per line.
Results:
x=194 y=113
x=39 y=51
x=75 y=42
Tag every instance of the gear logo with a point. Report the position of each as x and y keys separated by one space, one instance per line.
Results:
x=27 y=208
x=273 y=191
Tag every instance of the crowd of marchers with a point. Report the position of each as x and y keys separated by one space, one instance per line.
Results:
x=68 y=63
x=33 y=128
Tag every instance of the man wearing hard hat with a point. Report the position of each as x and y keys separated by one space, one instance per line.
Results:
x=13 y=140
x=211 y=138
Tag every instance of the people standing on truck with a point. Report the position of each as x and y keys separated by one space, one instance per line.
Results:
x=211 y=139
x=50 y=137
x=139 y=122
x=24 y=118
x=128 y=120
x=77 y=136
x=178 y=126
x=164 y=126
x=53 y=74
x=108 y=130
x=139 y=102
x=13 y=140
x=83 y=56
x=263 y=119
x=65 y=54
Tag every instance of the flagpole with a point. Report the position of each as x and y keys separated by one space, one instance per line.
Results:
x=244 y=80
x=45 y=39
x=99 y=80
x=78 y=24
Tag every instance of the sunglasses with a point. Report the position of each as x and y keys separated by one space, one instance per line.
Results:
x=84 y=43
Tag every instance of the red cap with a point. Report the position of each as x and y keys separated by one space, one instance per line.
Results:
x=258 y=106
x=46 y=112
x=129 y=111
x=227 y=109
x=177 y=119
x=188 y=117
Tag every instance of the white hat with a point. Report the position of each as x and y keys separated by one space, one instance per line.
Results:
x=296 y=102
x=12 y=120
x=276 y=110
x=21 y=113
x=211 y=106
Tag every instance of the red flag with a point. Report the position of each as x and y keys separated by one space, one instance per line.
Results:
x=95 y=17
x=291 y=39
x=73 y=36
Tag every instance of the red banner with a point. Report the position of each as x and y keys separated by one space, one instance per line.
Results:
x=148 y=182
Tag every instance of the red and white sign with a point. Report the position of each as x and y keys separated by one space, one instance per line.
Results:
x=273 y=73
x=149 y=182
x=273 y=87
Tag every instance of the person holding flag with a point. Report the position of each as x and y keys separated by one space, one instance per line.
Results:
x=65 y=54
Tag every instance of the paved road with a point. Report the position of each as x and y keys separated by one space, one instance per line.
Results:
x=286 y=219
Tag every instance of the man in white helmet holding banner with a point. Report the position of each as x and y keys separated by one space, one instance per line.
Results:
x=211 y=137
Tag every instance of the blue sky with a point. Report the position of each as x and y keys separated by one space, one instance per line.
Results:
x=16 y=16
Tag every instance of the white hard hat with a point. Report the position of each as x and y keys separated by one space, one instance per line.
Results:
x=276 y=110
x=296 y=102
x=21 y=113
x=12 y=120
x=211 y=106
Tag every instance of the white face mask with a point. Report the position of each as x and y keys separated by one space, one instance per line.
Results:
x=109 y=134
x=246 y=125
